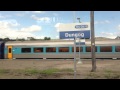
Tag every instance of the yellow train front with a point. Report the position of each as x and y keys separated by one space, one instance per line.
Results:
x=59 y=49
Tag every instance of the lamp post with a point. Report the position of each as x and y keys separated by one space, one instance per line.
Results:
x=78 y=20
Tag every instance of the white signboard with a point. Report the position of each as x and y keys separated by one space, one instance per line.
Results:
x=74 y=27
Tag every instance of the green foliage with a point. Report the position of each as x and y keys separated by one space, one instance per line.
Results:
x=31 y=71
x=36 y=71
x=6 y=39
x=67 y=70
x=32 y=38
x=109 y=74
x=2 y=71
x=46 y=71
x=47 y=38
x=49 y=71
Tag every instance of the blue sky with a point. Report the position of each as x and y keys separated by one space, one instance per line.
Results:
x=40 y=24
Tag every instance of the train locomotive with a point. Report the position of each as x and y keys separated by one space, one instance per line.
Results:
x=60 y=49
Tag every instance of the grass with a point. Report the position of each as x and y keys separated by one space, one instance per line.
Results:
x=53 y=73
x=67 y=70
x=46 y=71
x=92 y=75
x=109 y=74
x=106 y=74
x=36 y=71
x=49 y=71
x=32 y=72
x=2 y=71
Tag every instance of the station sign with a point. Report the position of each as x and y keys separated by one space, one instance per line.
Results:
x=73 y=34
x=72 y=30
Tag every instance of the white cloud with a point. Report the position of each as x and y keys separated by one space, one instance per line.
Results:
x=8 y=23
x=108 y=35
x=33 y=28
x=107 y=21
x=7 y=30
x=57 y=26
x=41 y=19
x=20 y=14
x=4 y=16
x=118 y=27
x=102 y=22
x=57 y=37
x=39 y=37
x=27 y=12
x=1 y=16
x=38 y=12
x=96 y=22
x=55 y=14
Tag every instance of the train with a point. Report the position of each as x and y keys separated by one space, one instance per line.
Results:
x=58 y=49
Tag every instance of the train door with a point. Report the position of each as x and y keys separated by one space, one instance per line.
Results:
x=9 y=52
x=2 y=51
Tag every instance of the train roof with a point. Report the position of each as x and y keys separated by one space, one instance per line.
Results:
x=1 y=42
x=61 y=42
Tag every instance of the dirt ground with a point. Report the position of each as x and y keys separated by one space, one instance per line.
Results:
x=106 y=69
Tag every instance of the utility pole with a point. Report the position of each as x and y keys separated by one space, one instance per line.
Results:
x=92 y=42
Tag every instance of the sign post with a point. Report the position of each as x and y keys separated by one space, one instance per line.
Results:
x=74 y=31
x=79 y=52
x=75 y=58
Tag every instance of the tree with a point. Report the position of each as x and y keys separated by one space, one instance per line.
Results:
x=20 y=39
x=32 y=38
x=1 y=39
x=118 y=37
x=47 y=38
x=6 y=39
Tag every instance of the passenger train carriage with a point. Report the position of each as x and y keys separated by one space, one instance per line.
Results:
x=58 y=49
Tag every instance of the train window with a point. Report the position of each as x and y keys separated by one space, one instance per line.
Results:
x=77 y=49
x=26 y=50
x=106 y=49
x=38 y=50
x=64 y=49
x=88 y=49
x=9 y=50
x=2 y=46
x=117 y=48
x=50 y=49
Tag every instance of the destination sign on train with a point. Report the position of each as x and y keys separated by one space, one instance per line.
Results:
x=73 y=34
